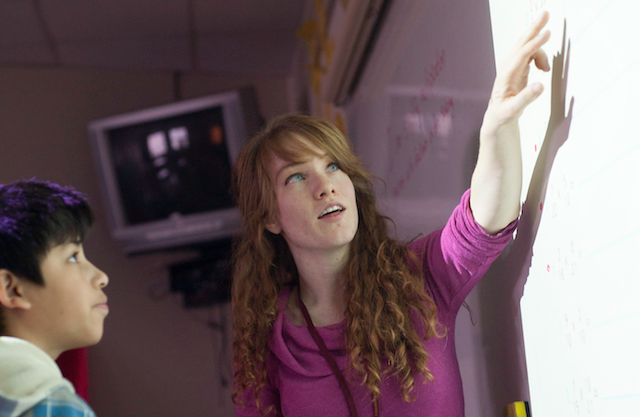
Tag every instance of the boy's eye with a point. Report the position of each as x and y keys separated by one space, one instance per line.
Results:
x=294 y=178
x=74 y=258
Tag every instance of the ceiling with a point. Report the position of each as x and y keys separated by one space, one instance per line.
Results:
x=218 y=36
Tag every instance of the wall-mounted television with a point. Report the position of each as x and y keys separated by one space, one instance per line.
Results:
x=165 y=172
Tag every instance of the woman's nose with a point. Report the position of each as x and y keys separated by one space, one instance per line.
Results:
x=324 y=187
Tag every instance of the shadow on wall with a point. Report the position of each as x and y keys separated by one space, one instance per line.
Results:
x=503 y=286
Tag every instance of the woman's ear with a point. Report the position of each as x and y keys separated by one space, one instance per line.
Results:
x=12 y=291
x=274 y=227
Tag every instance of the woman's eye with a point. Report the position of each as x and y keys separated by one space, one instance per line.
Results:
x=333 y=167
x=294 y=178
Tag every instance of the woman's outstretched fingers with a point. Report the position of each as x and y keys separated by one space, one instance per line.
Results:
x=541 y=60
x=535 y=28
x=511 y=93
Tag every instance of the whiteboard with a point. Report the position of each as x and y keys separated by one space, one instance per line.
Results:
x=580 y=314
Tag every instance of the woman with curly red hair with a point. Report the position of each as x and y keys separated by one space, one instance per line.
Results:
x=331 y=315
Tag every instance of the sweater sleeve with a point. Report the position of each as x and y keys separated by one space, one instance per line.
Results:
x=455 y=257
x=269 y=397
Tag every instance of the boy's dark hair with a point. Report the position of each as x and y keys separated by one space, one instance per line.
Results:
x=35 y=216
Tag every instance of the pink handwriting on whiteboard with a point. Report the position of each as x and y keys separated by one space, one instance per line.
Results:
x=446 y=111
x=431 y=74
x=417 y=121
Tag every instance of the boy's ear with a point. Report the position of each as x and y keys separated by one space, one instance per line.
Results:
x=12 y=294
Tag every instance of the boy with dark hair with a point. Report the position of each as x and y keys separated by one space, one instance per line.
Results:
x=51 y=297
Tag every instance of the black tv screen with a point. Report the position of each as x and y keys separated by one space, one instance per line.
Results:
x=176 y=165
x=165 y=172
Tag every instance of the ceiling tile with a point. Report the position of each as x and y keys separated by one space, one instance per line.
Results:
x=26 y=54
x=251 y=16
x=149 y=53
x=19 y=23
x=115 y=19
x=267 y=55
x=240 y=36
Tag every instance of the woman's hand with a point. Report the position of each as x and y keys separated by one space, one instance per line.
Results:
x=497 y=179
x=511 y=94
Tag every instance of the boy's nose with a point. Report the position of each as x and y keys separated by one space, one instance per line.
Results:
x=101 y=278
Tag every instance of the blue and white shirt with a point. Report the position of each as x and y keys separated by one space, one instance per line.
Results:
x=31 y=384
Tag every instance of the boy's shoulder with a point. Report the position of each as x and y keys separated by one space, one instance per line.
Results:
x=60 y=402
x=32 y=384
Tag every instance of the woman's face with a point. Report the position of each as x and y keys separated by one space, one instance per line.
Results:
x=316 y=203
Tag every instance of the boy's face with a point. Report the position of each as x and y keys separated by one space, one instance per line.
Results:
x=70 y=308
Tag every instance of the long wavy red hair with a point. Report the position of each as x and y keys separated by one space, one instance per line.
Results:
x=384 y=286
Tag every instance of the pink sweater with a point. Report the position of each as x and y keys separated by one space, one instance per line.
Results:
x=300 y=382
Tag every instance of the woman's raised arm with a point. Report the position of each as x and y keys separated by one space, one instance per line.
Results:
x=496 y=183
